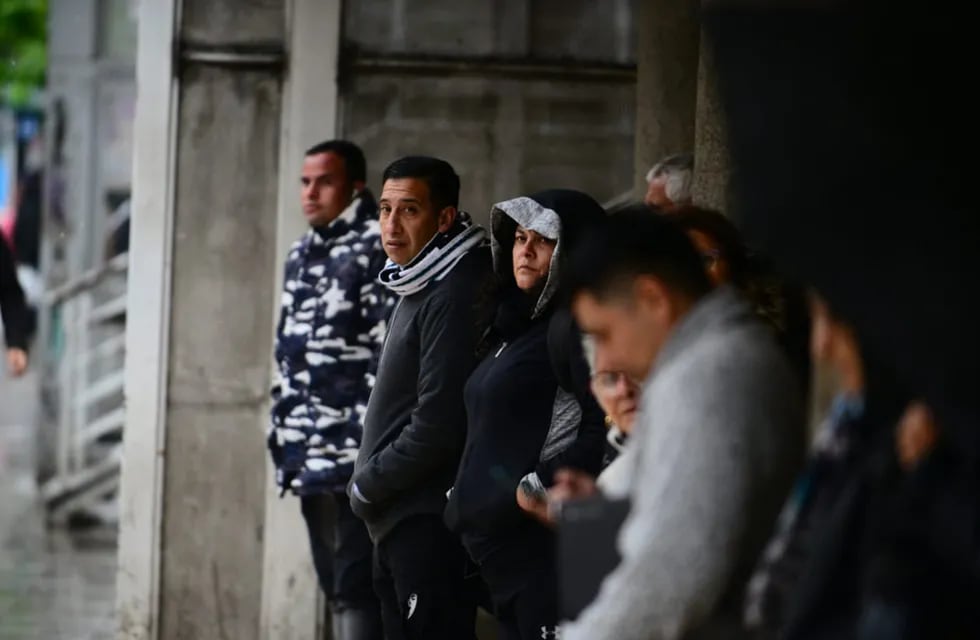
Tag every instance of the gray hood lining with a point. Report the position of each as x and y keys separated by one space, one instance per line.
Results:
x=530 y=214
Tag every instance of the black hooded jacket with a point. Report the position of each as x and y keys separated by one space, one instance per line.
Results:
x=528 y=403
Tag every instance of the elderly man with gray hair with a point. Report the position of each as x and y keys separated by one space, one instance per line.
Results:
x=670 y=183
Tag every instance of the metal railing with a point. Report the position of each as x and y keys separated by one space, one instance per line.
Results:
x=86 y=384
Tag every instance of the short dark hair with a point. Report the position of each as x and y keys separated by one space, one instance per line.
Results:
x=438 y=174
x=723 y=232
x=354 y=161
x=631 y=243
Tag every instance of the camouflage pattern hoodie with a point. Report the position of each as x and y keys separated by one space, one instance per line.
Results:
x=331 y=327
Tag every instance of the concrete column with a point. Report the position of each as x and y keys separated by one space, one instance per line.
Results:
x=200 y=318
x=622 y=11
x=147 y=330
x=712 y=168
x=667 y=37
x=292 y=602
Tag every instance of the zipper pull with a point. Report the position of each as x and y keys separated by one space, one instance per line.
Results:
x=500 y=350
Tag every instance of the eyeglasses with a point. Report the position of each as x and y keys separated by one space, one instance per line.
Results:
x=606 y=383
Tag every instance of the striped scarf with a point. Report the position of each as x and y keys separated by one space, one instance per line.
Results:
x=436 y=259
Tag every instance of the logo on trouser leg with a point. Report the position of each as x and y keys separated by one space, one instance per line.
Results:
x=413 y=602
x=551 y=633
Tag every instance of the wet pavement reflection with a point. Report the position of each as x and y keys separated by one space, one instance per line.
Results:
x=54 y=584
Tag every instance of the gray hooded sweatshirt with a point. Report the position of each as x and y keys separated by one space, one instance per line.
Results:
x=714 y=452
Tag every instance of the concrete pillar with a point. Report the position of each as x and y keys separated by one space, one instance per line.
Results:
x=712 y=168
x=667 y=40
x=200 y=318
x=292 y=603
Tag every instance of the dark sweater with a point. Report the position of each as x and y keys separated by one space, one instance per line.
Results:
x=415 y=424
x=514 y=400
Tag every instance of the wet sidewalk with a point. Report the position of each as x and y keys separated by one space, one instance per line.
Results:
x=54 y=585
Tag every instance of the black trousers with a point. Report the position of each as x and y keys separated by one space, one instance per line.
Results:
x=342 y=552
x=419 y=577
x=523 y=584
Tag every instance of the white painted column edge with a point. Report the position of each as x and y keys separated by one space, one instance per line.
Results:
x=290 y=594
x=148 y=323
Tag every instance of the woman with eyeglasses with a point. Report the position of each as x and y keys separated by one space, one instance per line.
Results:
x=619 y=397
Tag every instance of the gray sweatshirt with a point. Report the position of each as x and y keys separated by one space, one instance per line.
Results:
x=717 y=445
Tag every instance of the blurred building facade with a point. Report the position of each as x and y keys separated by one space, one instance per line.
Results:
x=89 y=109
x=91 y=100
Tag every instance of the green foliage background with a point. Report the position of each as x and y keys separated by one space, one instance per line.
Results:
x=23 y=49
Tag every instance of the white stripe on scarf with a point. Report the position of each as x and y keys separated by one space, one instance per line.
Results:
x=436 y=259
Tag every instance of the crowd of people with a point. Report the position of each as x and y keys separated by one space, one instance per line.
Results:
x=592 y=424
x=579 y=401
x=449 y=395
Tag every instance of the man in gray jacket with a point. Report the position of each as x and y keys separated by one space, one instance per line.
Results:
x=719 y=438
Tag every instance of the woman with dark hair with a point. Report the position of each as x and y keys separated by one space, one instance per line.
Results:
x=529 y=412
x=727 y=260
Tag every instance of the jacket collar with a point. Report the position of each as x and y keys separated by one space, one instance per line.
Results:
x=361 y=208
x=723 y=307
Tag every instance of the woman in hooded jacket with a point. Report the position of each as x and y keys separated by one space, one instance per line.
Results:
x=529 y=411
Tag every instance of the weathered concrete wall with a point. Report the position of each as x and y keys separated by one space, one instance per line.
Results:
x=224 y=241
x=712 y=168
x=574 y=29
x=505 y=136
x=220 y=22
x=668 y=34
x=584 y=29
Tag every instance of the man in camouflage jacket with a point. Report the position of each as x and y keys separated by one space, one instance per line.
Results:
x=330 y=330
